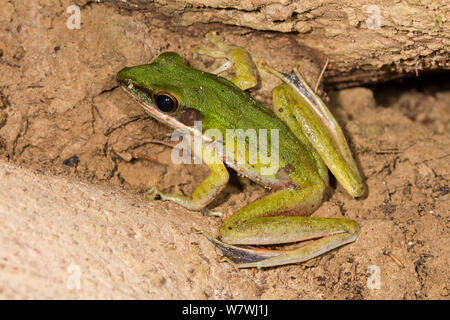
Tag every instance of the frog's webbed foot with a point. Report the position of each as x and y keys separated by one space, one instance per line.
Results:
x=188 y=202
x=185 y=201
x=193 y=202
x=246 y=72
x=222 y=51
x=154 y=193
x=255 y=225
x=238 y=256
x=345 y=231
x=224 y=67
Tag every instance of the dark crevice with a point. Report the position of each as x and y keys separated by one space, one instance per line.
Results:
x=428 y=82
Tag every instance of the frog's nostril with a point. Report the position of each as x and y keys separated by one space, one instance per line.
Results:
x=125 y=82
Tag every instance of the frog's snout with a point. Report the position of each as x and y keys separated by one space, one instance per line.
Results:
x=123 y=76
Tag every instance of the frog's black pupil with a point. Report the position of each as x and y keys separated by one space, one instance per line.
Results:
x=165 y=103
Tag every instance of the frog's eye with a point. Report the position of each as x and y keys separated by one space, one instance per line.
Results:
x=166 y=102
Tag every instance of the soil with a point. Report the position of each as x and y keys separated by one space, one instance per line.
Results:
x=72 y=190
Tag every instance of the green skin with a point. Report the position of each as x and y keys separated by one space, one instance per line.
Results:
x=310 y=142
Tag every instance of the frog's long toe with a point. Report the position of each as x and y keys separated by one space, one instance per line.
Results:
x=153 y=193
x=209 y=213
x=238 y=255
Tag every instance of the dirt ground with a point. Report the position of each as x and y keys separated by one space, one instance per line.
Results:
x=72 y=194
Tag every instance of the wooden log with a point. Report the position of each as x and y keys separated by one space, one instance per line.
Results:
x=365 y=41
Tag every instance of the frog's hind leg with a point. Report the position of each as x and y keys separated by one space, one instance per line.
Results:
x=255 y=224
x=246 y=72
x=315 y=122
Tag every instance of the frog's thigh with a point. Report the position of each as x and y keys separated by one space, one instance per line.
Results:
x=283 y=105
x=248 y=223
x=208 y=189
x=329 y=143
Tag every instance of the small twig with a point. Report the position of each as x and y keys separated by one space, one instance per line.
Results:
x=321 y=75
x=389 y=151
x=157 y=141
x=145 y=157
x=123 y=122
x=391 y=255
x=416 y=67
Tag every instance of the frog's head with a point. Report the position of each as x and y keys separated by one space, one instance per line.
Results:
x=160 y=88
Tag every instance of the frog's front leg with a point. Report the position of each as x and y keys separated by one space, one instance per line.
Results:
x=206 y=191
x=256 y=224
x=246 y=72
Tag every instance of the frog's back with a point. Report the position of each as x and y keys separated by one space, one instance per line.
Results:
x=228 y=107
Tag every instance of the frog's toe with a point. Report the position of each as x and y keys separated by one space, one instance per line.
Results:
x=210 y=213
x=153 y=193
x=223 y=67
x=261 y=64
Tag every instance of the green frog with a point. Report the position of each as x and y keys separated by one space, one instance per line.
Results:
x=308 y=142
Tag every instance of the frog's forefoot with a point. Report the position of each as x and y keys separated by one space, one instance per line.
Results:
x=209 y=213
x=239 y=256
x=227 y=65
x=246 y=75
x=153 y=193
